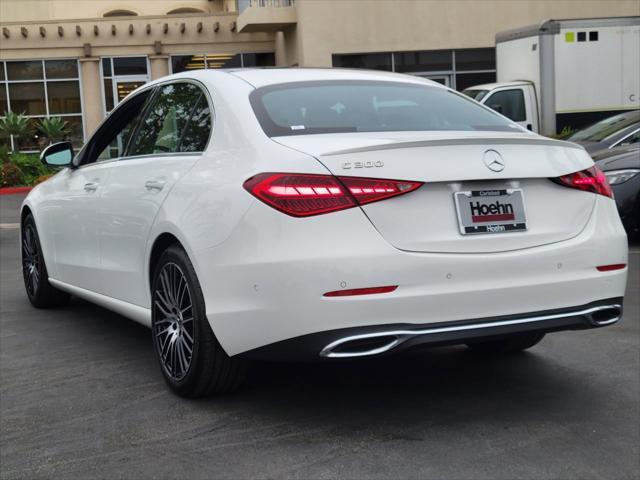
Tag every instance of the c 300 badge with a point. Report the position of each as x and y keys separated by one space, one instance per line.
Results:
x=367 y=164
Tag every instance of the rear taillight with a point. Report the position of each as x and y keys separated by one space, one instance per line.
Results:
x=303 y=195
x=590 y=180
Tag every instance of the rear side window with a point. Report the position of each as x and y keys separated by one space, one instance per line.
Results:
x=304 y=108
x=168 y=120
x=509 y=103
x=197 y=132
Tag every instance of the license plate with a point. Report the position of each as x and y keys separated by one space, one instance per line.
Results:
x=490 y=211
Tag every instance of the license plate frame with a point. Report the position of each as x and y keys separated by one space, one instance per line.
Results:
x=501 y=217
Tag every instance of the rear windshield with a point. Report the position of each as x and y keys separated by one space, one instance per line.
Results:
x=304 y=108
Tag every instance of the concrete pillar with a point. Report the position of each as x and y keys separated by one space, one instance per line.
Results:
x=281 y=50
x=91 y=94
x=159 y=66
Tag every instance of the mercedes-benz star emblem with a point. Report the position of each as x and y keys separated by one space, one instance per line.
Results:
x=493 y=160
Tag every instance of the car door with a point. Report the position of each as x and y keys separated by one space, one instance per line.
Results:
x=168 y=141
x=70 y=214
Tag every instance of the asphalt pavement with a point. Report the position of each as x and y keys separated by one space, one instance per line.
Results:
x=81 y=397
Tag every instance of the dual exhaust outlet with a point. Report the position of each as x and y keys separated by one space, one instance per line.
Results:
x=369 y=344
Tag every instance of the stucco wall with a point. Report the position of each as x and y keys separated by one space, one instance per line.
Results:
x=34 y=10
x=353 y=26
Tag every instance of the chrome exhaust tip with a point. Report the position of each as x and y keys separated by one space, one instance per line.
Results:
x=362 y=345
x=604 y=315
x=369 y=344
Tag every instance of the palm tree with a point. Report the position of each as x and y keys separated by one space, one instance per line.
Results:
x=16 y=125
x=54 y=129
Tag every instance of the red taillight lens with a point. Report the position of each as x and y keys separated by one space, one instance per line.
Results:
x=303 y=195
x=590 y=180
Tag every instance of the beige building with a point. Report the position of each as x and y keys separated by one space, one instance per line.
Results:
x=78 y=58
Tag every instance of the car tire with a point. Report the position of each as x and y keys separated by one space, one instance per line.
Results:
x=40 y=292
x=512 y=344
x=192 y=361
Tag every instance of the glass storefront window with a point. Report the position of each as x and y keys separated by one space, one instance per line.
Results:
x=28 y=86
x=224 y=60
x=431 y=61
x=64 y=97
x=122 y=75
x=56 y=69
x=466 y=80
x=476 y=59
x=184 y=63
x=27 y=98
x=4 y=106
x=370 y=61
x=31 y=70
x=108 y=94
x=258 y=59
x=458 y=69
x=106 y=67
x=130 y=66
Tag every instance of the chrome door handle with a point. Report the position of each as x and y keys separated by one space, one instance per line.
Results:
x=91 y=186
x=154 y=185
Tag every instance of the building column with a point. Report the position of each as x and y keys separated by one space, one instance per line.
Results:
x=159 y=66
x=281 y=50
x=92 y=111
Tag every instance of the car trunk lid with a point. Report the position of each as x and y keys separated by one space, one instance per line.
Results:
x=429 y=219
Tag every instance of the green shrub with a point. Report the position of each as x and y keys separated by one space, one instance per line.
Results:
x=11 y=175
x=5 y=154
x=31 y=167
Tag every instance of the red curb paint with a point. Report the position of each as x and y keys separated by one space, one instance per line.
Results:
x=14 y=190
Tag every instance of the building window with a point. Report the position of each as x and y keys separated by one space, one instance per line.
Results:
x=184 y=63
x=370 y=61
x=122 y=75
x=181 y=11
x=41 y=89
x=458 y=69
x=417 y=62
x=120 y=13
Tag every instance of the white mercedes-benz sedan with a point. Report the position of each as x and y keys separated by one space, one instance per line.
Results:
x=327 y=214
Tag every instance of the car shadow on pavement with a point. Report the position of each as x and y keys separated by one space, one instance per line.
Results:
x=430 y=377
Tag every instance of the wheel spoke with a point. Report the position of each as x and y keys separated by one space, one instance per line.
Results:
x=162 y=309
x=189 y=337
x=182 y=360
x=188 y=346
x=184 y=291
x=173 y=331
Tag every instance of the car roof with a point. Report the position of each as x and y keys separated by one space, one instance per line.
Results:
x=260 y=77
x=491 y=86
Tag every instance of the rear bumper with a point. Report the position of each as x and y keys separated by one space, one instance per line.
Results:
x=265 y=283
x=385 y=339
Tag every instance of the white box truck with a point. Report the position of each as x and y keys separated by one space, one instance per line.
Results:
x=565 y=74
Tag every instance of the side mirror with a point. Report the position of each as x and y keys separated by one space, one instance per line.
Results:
x=57 y=155
x=497 y=108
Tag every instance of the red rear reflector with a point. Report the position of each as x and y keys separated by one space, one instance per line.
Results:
x=590 y=180
x=608 y=268
x=303 y=195
x=361 y=291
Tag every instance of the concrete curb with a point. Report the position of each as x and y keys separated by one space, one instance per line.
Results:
x=14 y=190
